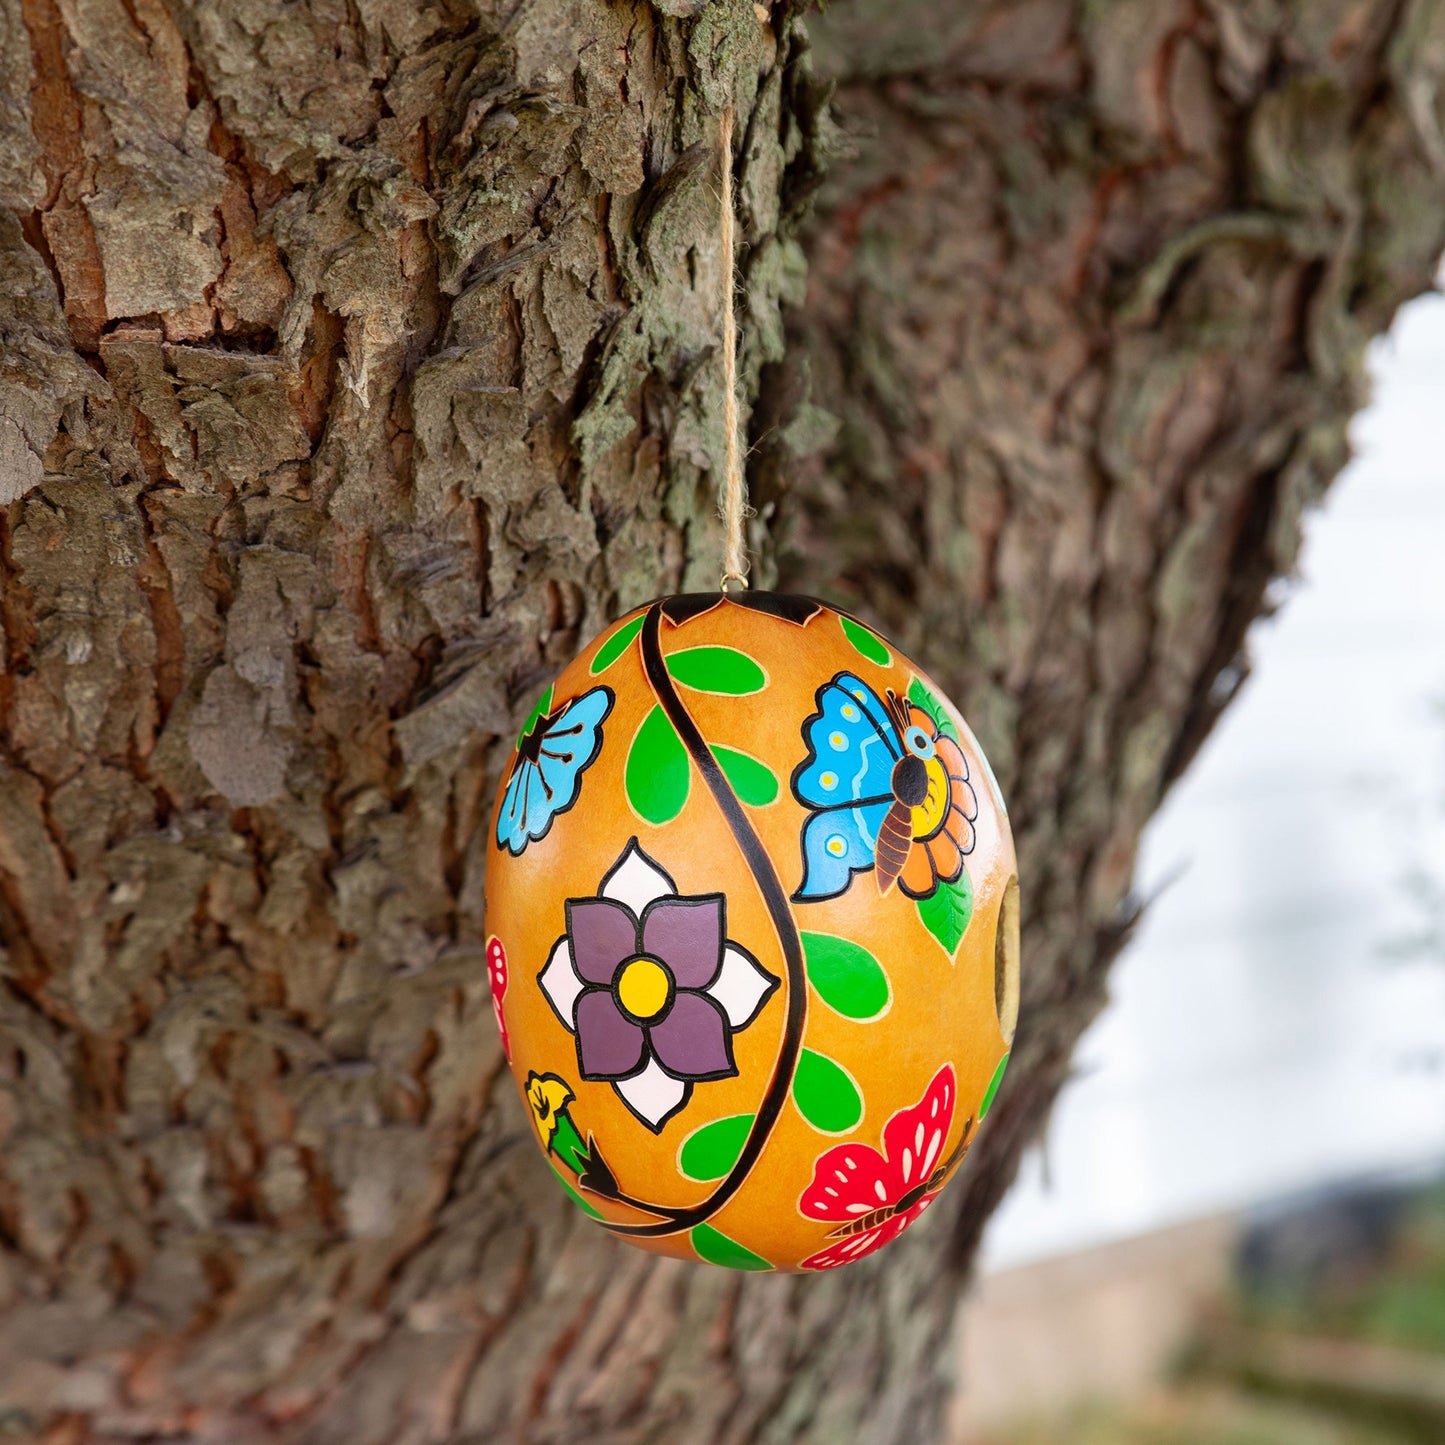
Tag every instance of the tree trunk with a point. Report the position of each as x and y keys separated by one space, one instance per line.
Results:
x=359 y=363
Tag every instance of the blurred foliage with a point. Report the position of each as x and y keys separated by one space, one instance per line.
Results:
x=1228 y=1392
x=1402 y=1304
x=1205 y=1415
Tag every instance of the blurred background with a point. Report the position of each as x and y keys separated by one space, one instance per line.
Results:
x=1235 y=1229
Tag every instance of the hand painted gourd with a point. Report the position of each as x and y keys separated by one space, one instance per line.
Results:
x=753 y=932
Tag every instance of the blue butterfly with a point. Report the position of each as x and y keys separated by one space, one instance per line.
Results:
x=848 y=777
x=887 y=791
x=552 y=754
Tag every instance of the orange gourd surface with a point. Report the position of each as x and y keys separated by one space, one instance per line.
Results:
x=752 y=909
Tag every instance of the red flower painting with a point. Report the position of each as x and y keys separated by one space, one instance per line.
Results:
x=874 y=1197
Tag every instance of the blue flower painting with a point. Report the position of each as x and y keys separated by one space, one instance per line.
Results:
x=555 y=749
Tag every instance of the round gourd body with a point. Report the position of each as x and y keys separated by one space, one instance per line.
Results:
x=753 y=932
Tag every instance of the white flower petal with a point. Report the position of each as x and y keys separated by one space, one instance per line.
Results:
x=652 y=1095
x=560 y=983
x=741 y=986
x=635 y=880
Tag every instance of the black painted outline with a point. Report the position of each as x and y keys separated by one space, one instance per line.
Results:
x=785 y=606
x=765 y=875
x=528 y=763
x=796 y=608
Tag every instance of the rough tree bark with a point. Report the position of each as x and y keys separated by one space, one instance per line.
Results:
x=359 y=361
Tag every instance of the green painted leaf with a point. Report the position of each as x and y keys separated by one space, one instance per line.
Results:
x=992 y=1089
x=825 y=1094
x=709 y=1152
x=657 y=773
x=717 y=669
x=946 y=912
x=577 y=1198
x=848 y=978
x=567 y=1144
x=921 y=695
x=716 y=1248
x=542 y=708
x=866 y=642
x=755 y=783
x=615 y=646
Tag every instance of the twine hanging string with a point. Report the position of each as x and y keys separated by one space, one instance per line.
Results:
x=733 y=506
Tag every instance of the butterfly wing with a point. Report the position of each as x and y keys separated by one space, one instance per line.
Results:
x=847 y=778
x=852 y=746
x=838 y=843
x=569 y=747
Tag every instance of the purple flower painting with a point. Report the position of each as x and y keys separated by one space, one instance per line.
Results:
x=652 y=987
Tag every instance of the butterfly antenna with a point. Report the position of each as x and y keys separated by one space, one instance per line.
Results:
x=898 y=710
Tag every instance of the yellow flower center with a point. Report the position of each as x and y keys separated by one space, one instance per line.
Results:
x=643 y=988
x=929 y=814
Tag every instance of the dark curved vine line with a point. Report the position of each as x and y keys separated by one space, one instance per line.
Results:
x=776 y=900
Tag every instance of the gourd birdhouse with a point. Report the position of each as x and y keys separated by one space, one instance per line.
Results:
x=752 y=910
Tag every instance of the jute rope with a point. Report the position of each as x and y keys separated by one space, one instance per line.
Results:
x=733 y=505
